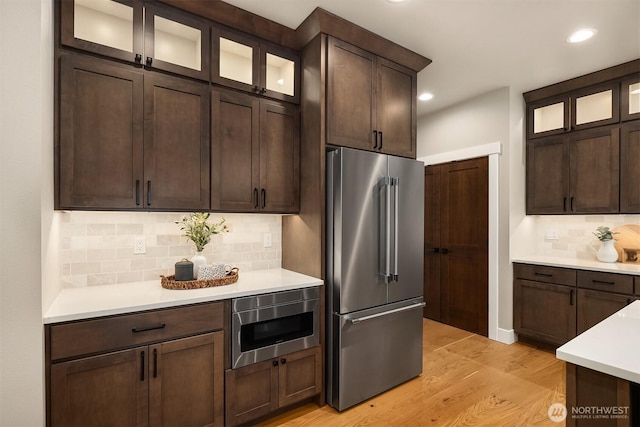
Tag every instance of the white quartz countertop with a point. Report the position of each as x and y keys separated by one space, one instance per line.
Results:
x=581 y=264
x=611 y=347
x=96 y=301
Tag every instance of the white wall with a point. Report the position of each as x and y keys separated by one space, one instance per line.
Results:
x=25 y=163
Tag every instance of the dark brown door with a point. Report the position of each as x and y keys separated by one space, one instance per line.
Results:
x=251 y=392
x=461 y=236
x=299 y=376
x=111 y=389
x=186 y=386
x=547 y=176
x=351 y=102
x=101 y=140
x=629 y=168
x=432 y=213
x=396 y=109
x=279 y=158
x=176 y=144
x=464 y=244
x=544 y=311
x=594 y=171
x=235 y=155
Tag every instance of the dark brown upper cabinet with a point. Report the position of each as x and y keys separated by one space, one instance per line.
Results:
x=255 y=160
x=100 y=145
x=371 y=101
x=149 y=35
x=574 y=173
x=249 y=64
x=590 y=107
x=630 y=169
x=630 y=98
x=129 y=140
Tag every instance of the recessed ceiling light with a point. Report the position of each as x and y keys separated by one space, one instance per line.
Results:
x=425 y=96
x=395 y=1
x=582 y=35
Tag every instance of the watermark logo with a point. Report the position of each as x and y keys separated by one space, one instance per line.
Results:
x=557 y=412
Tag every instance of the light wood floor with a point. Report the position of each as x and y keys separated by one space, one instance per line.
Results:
x=467 y=380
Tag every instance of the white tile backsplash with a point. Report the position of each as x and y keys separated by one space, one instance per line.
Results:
x=574 y=233
x=97 y=247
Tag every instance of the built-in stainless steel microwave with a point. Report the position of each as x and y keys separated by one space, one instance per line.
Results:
x=274 y=324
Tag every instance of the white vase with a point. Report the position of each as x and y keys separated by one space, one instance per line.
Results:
x=607 y=251
x=198 y=260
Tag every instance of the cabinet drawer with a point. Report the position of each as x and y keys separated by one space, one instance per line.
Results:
x=606 y=282
x=538 y=273
x=112 y=333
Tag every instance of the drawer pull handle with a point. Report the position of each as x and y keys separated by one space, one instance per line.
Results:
x=571 y=297
x=602 y=282
x=543 y=274
x=148 y=328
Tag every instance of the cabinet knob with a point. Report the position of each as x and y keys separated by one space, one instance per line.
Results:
x=263 y=90
x=283 y=361
x=275 y=363
x=256 y=89
x=138 y=58
x=149 y=60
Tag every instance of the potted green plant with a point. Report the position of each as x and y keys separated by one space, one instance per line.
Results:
x=197 y=229
x=607 y=251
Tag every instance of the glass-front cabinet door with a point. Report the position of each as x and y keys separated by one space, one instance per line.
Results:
x=164 y=38
x=630 y=99
x=177 y=42
x=243 y=62
x=596 y=106
x=280 y=67
x=108 y=27
x=548 y=117
x=235 y=60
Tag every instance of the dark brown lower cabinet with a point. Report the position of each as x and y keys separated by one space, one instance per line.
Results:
x=168 y=384
x=595 y=306
x=544 y=311
x=256 y=390
x=170 y=372
x=589 y=391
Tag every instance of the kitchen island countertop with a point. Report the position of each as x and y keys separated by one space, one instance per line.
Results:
x=106 y=300
x=611 y=347
x=580 y=264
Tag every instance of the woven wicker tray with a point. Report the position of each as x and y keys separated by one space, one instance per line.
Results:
x=169 y=282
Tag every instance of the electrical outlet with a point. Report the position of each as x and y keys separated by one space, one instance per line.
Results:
x=551 y=235
x=139 y=246
x=267 y=240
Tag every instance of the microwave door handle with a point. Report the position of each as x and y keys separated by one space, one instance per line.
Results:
x=396 y=192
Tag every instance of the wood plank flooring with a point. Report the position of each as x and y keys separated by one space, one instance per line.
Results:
x=467 y=380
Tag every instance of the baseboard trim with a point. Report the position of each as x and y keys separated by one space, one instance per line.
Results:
x=506 y=336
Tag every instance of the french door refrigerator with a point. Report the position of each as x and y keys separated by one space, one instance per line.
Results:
x=374 y=277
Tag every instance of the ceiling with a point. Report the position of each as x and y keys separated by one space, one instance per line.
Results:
x=480 y=45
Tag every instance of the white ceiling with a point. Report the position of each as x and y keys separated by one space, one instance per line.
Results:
x=480 y=45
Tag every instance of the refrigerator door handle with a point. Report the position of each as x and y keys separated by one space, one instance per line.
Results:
x=385 y=313
x=386 y=264
x=396 y=200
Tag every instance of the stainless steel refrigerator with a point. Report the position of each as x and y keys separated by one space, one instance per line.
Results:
x=374 y=242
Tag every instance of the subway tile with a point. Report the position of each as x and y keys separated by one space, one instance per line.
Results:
x=101 y=279
x=129 y=276
x=134 y=229
x=85 y=268
x=101 y=254
x=116 y=266
x=100 y=229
